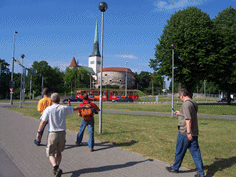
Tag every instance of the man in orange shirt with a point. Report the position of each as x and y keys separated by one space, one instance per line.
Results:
x=43 y=103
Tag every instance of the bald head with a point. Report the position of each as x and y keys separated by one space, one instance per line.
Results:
x=55 y=97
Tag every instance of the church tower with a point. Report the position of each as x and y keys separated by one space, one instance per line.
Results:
x=95 y=57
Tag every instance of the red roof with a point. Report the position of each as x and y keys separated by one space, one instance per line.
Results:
x=118 y=69
x=73 y=63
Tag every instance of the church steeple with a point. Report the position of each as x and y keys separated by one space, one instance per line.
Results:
x=96 y=51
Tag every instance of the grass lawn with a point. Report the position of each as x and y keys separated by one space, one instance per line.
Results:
x=155 y=137
x=204 y=109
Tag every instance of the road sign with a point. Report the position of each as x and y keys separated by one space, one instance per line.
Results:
x=11 y=90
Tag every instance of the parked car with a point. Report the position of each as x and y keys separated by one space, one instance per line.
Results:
x=72 y=99
x=224 y=99
x=124 y=99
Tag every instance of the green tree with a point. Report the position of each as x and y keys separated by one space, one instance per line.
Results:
x=52 y=78
x=144 y=81
x=224 y=72
x=4 y=79
x=77 y=77
x=191 y=32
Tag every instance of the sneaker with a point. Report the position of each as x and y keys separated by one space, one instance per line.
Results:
x=91 y=150
x=77 y=143
x=58 y=172
x=198 y=176
x=37 y=142
x=171 y=170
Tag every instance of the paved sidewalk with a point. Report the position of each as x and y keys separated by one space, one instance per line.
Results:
x=17 y=133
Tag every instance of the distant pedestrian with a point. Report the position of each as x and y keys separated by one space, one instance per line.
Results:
x=56 y=117
x=43 y=103
x=87 y=122
x=188 y=134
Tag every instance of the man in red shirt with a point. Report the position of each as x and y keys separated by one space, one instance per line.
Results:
x=89 y=123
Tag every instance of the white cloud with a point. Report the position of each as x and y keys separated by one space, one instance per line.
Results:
x=127 y=56
x=169 y=5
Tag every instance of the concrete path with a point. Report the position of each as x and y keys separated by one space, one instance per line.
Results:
x=21 y=157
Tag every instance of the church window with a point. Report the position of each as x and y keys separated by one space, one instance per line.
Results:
x=91 y=62
x=105 y=74
x=98 y=62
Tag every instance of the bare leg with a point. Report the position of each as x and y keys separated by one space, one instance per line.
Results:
x=58 y=157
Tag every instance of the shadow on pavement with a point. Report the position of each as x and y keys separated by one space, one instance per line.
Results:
x=219 y=165
x=104 y=168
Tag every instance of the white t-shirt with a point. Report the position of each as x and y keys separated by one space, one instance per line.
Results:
x=56 y=116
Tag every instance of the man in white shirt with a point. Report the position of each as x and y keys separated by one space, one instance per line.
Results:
x=56 y=117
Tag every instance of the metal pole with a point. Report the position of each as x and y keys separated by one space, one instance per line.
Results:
x=21 y=82
x=90 y=82
x=126 y=80
x=172 y=113
x=12 y=70
x=152 y=86
x=100 y=98
x=30 y=85
x=42 y=86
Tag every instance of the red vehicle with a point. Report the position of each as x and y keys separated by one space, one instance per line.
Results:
x=93 y=94
x=108 y=95
x=116 y=94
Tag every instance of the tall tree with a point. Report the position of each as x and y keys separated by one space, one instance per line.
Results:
x=224 y=72
x=52 y=78
x=191 y=32
x=77 y=77
x=4 y=79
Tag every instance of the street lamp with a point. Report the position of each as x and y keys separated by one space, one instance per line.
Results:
x=21 y=82
x=126 y=80
x=173 y=52
x=102 y=7
x=12 y=70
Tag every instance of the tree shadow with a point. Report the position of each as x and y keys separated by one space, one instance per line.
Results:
x=108 y=144
x=104 y=168
x=219 y=165
x=132 y=142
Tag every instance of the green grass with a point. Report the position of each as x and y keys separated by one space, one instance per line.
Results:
x=164 y=98
x=165 y=108
x=204 y=109
x=155 y=137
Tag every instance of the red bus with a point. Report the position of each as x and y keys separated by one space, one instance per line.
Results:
x=93 y=94
x=116 y=94
x=108 y=95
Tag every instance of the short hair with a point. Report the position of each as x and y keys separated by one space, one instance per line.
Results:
x=183 y=92
x=55 y=97
x=85 y=96
x=45 y=91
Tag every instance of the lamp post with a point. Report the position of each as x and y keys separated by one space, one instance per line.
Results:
x=126 y=79
x=173 y=52
x=12 y=70
x=102 y=7
x=21 y=83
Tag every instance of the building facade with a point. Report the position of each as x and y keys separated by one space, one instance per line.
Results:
x=116 y=76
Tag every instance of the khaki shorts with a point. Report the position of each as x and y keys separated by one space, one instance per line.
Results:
x=56 y=142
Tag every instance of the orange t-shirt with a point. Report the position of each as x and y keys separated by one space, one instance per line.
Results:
x=43 y=103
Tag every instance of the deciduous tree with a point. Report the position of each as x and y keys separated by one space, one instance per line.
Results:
x=191 y=32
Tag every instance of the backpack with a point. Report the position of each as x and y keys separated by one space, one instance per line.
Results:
x=87 y=114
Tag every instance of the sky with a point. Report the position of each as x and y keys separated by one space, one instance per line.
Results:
x=58 y=30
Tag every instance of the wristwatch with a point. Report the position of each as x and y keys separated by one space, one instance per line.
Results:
x=188 y=132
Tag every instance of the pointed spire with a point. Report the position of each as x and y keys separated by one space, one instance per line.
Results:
x=73 y=63
x=96 y=51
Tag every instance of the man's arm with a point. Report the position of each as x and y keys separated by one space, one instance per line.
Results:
x=80 y=107
x=41 y=125
x=188 y=125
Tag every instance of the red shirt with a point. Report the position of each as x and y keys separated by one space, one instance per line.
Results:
x=91 y=103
